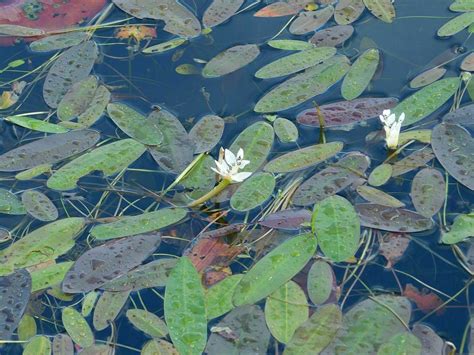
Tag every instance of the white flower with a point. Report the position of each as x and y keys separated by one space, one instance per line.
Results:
x=228 y=165
x=392 y=127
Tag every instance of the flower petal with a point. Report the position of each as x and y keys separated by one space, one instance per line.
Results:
x=230 y=158
x=239 y=177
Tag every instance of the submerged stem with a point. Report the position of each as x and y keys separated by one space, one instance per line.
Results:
x=215 y=191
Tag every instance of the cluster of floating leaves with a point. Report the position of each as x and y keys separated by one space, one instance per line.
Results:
x=266 y=263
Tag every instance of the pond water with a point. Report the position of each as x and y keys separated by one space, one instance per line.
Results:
x=115 y=239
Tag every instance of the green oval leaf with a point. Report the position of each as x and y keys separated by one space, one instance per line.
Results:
x=219 y=296
x=374 y=195
x=165 y=46
x=39 y=206
x=462 y=228
x=35 y=124
x=321 y=282
x=230 y=60
x=108 y=308
x=400 y=344
x=77 y=327
x=147 y=322
x=10 y=203
x=207 y=133
x=285 y=130
x=253 y=192
x=360 y=74
x=383 y=9
x=49 y=276
x=380 y=175
x=26 y=328
x=88 y=303
x=59 y=41
x=456 y=24
x=289 y=44
x=428 y=191
x=39 y=345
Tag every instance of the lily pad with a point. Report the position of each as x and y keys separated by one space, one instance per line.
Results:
x=431 y=342
x=78 y=98
x=27 y=328
x=49 y=276
x=35 y=124
x=39 y=345
x=332 y=36
x=360 y=74
x=291 y=219
x=383 y=9
x=377 y=196
x=290 y=44
x=230 y=60
x=308 y=21
x=348 y=11
x=161 y=347
x=88 y=303
x=147 y=322
x=456 y=24
x=427 y=77
x=253 y=192
x=428 y=192
x=77 y=327
x=380 y=175
x=108 y=261
x=10 y=203
x=285 y=130
x=321 y=282
x=165 y=46
x=206 y=133
x=399 y=344
x=39 y=206
x=62 y=345
x=462 y=228
x=59 y=41
x=220 y=11
x=219 y=296
x=108 y=307
x=411 y=162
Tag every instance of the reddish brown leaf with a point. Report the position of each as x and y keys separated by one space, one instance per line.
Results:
x=425 y=300
x=392 y=246
x=276 y=9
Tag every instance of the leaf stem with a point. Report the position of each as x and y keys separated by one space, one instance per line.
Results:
x=215 y=191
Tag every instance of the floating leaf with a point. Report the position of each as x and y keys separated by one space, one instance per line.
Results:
x=425 y=300
x=72 y=66
x=27 y=328
x=147 y=322
x=462 y=228
x=379 y=197
x=108 y=261
x=285 y=130
x=287 y=219
x=427 y=100
x=110 y=159
x=256 y=140
x=35 y=124
x=243 y=332
x=49 y=276
x=453 y=146
x=347 y=11
x=462 y=5
x=303 y=158
x=10 y=203
x=383 y=9
x=49 y=150
x=178 y=19
x=59 y=41
x=317 y=332
x=88 y=303
x=230 y=60
x=360 y=74
x=142 y=223
x=346 y=112
x=200 y=178
x=332 y=36
x=39 y=345
x=78 y=98
x=290 y=44
x=39 y=205
x=175 y=153
x=399 y=344
x=337 y=227
x=135 y=124
x=302 y=87
x=321 y=282
x=14 y=296
x=393 y=246
x=427 y=192
x=207 y=133
x=96 y=107
x=253 y=192
x=276 y=9
x=468 y=63
x=411 y=162
x=427 y=77
x=33 y=172
x=431 y=342
x=166 y=46
x=295 y=62
x=420 y=135
x=220 y=11
x=219 y=296
x=43 y=244
x=392 y=219
x=308 y=21
x=188 y=69
x=77 y=327
x=285 y=310
x=275 y=269
x=62 y=345
x=380 y=175
x=185 y=310
x=20 y=31
x=108 y=308
x=461 y=116
x=160 y=347
x=456 y=24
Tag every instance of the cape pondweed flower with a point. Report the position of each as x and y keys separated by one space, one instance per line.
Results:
x=392 y=127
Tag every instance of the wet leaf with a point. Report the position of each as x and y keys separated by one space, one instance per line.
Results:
x=49 y=276
x=425 y=300
x=78 y=98
x=392 y=219
x=287 y=219
x=110 y=159
x=158 y=347
x=332 y=36
x=77 y=327
x=303 y=158
x=220 y=11
x=165 y=46
x=15 y=291
x=147 y=322
x=88 y=303
x=337 y=227
x=317 y=332
x=175 y=152
x=431 y=342
x=380 y=175
x=295 y=62
x=253 y=192
x=393 y=246
x=20 y=31
x=360 y=74
x=33 y=172
x=256 y=140
x=219 y=296
x=35 y=124
x=59 y=41
x=420 y=135
x=72 y=66
x=276 y=9
x=346 y=112
x=206 y=133
x=285 y=130
x=456 y=24
x=308 y=21
x=188 y=69
x=428 y=192
x=285 y=310
x=462 y=228
x=96 y=107
x=321 y=282
x=39 y=205
x=27 y=328
x=178 y=19
x=243 y=332
x=275 y=269
x=303 y=86
x=201 y=178
x=411 y=162
x=427 y=100
x=108 y=261
x=462 y=6
x=142 y=223
x=49 y=150
x=290 y=44
x=427 y=77
x=348 y=11
x=383 y=9
x=43 y=244
x=468 y=63
x=399 y=344
x=230 y=60
x=185 y=309
x=39 y=345
x=108 y=308
x=98 y=349
x=10 y=203
x=461 y=116
x=453 y=147
x=62 y=345
x=377 y=196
